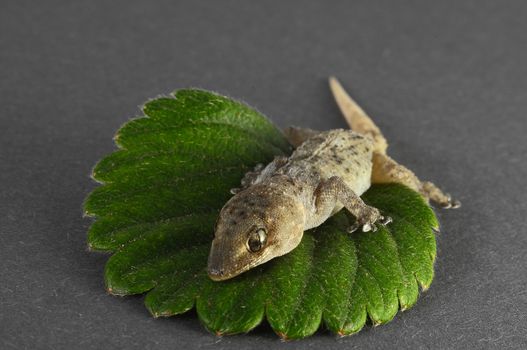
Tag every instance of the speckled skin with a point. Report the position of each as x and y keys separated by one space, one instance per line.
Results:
x=334 y=153
x=327 y=172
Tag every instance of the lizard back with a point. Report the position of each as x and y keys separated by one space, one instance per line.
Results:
x=339 y=152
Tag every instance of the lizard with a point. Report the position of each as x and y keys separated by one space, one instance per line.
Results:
x=326 y=172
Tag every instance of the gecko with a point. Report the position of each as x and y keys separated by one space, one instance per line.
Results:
x=326 y=172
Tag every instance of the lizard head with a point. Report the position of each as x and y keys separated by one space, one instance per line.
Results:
x=255 y=226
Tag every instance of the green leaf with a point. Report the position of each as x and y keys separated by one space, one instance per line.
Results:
x=163 y=189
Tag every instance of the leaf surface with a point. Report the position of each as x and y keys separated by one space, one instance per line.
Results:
x=161 y=193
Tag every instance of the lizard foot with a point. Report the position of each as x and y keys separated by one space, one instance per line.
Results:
x=370 y=225
x=450 y=203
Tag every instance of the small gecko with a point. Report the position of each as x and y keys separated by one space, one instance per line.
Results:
x=327 y=171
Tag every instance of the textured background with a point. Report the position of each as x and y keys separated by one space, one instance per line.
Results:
x=446 y=81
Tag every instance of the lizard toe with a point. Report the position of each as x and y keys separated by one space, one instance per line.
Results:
x=450 y=203
x=353 y=227
x=385 y=220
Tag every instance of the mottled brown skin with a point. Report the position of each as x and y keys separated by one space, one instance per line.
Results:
x=328 y=171
x=270 y=205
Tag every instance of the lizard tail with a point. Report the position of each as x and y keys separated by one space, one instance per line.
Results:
x=356 y=118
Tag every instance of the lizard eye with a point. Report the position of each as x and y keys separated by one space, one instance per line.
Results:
x=256 y=240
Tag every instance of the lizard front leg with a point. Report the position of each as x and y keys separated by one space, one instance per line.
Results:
x=333 y=191
x=249 y=178
x=259 y=172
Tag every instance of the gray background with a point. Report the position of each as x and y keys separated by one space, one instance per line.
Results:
x=446 y=81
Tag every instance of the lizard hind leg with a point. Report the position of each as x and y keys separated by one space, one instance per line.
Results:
x=249 y=178
x=387 y=170
x=258 y=173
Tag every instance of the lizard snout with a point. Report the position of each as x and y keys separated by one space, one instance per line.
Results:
x=217 y=265
x=216 y=274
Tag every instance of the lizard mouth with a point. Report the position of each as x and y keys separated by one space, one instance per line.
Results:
x=217 y=274
x=220 y=267
x=222 y=274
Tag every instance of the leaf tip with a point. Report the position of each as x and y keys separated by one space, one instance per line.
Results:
x=341 y=333
x=116 y=138
x=283 y=336
x=110 y=289
x=407 y=304
x=116 y=292
x=433 y=256
x=93 y=176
